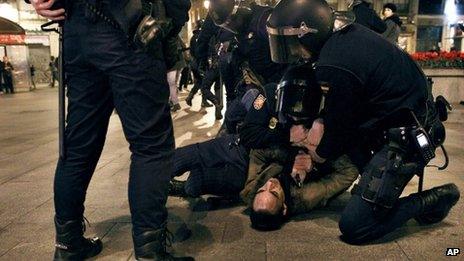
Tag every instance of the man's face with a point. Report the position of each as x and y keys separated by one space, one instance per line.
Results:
x=270 y=198
x=387 y=12
x=5 y=58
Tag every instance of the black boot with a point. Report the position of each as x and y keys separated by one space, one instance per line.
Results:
x=205 y=103
x=218 y=112
x=177 y=188
x=151 y=245
x=436 y=203
x=71 y=244
x=189 y=99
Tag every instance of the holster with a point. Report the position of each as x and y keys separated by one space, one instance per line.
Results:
x=154 y=27
x=388 y=172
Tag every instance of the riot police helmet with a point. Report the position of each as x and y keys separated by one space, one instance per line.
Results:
x=231 y=15
x=299 y=96
x=298 y=29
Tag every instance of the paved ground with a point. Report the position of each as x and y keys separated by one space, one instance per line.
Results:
x=28 y=152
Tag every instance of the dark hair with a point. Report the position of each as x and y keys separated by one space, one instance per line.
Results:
x=265 y=221
x=390 y=6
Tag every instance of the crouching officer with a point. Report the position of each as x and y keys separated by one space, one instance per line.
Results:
x=378 y=92
x=109 y=66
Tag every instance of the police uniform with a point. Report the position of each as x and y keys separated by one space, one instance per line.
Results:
x=105 y=71
x=253 y=47
x=377 y=102
x=218 y=166
x=372 y=93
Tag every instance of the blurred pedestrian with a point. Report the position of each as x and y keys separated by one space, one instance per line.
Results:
x=53 y=64
x=174 y=77
x=32 y=69
x=7 y=72
x=393 y=22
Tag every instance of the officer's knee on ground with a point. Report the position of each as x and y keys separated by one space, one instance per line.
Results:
x=350 y=227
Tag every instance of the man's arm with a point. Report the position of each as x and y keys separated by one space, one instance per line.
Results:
x=341 y=118
x=259 y=129
x=341 y=174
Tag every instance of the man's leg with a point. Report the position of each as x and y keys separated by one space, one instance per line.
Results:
x=89 y=109
x=197 y=80
x=368 y=216
x=210 y=154
x=207 y=83
x=141 y=99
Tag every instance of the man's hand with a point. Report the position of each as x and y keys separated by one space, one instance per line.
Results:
x=315 y=135
x=298 y=133
x=302 y=165
x=44 y=8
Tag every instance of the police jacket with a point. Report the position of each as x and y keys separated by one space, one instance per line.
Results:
x=372 y=85
x=367 y=17
x=260 y=128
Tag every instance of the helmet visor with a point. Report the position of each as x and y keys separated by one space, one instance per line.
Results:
x=290 y=103
x=285 y=45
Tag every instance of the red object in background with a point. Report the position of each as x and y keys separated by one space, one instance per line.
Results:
x=452 y=59
x=12 y=39
x=426 y=56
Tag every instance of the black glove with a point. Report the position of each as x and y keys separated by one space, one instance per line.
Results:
x=154 y=27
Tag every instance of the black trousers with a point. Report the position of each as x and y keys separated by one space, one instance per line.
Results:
x=104 y=72
x=363 y=221
x=8 y=84
x=217 y=166
x=212 y=76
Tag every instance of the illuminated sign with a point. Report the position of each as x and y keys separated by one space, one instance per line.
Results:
x=12 y=39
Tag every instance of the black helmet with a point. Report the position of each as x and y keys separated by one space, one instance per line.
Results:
x=299 y=29
x=298 y=95
x=231 y=15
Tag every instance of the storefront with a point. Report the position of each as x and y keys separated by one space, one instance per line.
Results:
x=13 y=45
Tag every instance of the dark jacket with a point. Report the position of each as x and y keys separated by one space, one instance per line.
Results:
x=260 y=128
x=393 y=28
x=194 y=45
x=367 y=17
x=371 y=82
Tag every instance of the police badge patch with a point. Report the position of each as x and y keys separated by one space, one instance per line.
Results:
x=259 y=101
x=273 y=123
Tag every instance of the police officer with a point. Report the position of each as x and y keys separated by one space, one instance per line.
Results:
x=375 y=90
x=197 y=75
x=247 y=21
x=107 y=70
